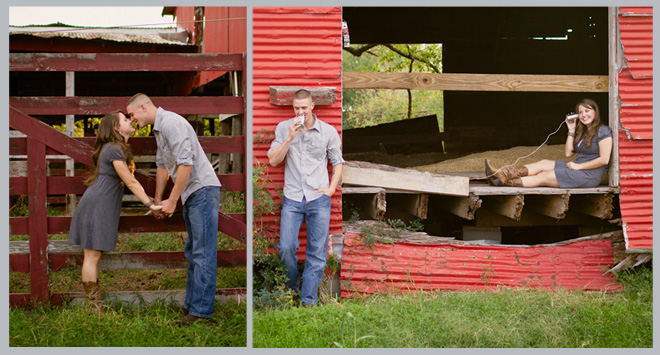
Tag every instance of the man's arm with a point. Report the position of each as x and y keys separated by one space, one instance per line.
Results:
x=277 y=155
x=182 y=176
x=334 y=180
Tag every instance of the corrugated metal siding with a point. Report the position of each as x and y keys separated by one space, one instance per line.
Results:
x=131 y=35
x=410 y=267
x=294 y=46
x=636 y=117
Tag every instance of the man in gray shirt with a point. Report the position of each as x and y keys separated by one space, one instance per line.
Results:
x=306 y=149
x=180 y=156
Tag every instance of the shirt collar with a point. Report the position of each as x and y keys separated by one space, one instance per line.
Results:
x=317 y=124
x=158 y=122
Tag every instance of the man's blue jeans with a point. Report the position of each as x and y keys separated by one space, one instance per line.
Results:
x=317 y=217
x=201 y=215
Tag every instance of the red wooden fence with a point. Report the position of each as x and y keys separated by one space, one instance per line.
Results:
x=44 y=140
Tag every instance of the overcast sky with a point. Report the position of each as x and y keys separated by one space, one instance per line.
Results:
x=97 y=16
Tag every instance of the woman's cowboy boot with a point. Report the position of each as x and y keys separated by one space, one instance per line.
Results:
x=93 y=297
x=500 y=177
x=517 y=182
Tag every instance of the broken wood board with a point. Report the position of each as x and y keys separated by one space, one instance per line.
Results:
x=369 y=174
x=405 y=136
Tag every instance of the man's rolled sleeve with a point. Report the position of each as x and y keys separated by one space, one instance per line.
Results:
x=334 y=150
x=279 y=138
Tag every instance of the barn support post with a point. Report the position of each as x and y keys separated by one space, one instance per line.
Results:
x=613 y=100
x=37 y=220
x=71 y=201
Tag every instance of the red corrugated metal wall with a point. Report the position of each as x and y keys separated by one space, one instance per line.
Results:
x=636 y=119
x=294 y=46
x=410 y=267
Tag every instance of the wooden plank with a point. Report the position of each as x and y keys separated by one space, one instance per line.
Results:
x=125 y=62
x=615 y=62
x=100 y=105
x=368 y=174
x=414 y=204
x=51 y=137
x=485 y=190
x=406 y=136
x=508 y=206
x=37 y=220
x=232 y=224
x=283 y=95
x=146 y=260
x=476 y=82
x=599 y=206
x=464 y=207
x=147 y=145
x=554 y=206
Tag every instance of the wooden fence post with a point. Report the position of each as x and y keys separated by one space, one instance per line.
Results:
x=38 y=220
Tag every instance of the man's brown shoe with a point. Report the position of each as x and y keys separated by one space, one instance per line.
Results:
x=189 y=319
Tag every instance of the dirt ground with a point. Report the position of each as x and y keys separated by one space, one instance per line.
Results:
x=438 y=162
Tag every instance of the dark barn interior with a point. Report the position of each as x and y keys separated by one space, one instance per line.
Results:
x=498 y=40
x=501 y=40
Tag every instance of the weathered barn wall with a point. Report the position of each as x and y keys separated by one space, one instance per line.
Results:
x=410 y=267
x=636 y=120
x=294 y=46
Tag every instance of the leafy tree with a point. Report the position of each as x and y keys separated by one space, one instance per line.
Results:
x=366 y=107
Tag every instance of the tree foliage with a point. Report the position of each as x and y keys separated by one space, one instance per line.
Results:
x=367 y=107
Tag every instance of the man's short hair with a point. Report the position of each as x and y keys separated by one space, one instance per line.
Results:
x=302 y=94
x=138 y=99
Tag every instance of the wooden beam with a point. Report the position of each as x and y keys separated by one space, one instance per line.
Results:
x=476 y=82
x=283 y=95
x=554 y=206
x=464 y=207
x=37 y=220
x=232 y=224
x=599 y=206
x=124 y=62
x=414 y=204
x=100 y=105
x=368 y=174
x=370 y=202
x=507 y=206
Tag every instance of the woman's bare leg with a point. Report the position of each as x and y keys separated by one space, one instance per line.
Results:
x=541 y=166
x=544 y=178
x=90 y=267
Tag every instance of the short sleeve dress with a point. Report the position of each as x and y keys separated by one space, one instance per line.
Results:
x=568 y=178
x=95 y=221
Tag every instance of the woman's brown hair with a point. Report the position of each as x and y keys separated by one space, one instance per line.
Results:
x=582 y=132
x=107 y=134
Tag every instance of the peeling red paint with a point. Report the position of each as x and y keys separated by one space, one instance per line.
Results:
x=636 y=135
x=410 y=267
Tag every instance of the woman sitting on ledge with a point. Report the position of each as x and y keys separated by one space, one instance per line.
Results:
x=589 y=138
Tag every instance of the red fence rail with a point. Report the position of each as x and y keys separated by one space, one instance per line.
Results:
x=43 y=140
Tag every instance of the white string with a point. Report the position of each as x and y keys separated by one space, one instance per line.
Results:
x=526 y=156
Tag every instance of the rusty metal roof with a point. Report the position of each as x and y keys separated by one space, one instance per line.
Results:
x=167 y=36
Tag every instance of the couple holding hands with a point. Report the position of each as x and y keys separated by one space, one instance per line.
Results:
x=95 y=222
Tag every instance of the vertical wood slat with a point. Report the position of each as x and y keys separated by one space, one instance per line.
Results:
x=37 y=221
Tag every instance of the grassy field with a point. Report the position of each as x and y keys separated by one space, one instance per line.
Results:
x=517 y=318
x=142 y=326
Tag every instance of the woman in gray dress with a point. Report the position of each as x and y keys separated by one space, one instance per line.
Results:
x=95 y=221
x=587 y=136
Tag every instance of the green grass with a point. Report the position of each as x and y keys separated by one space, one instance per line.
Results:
x=143 y=326
x=516 y=318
